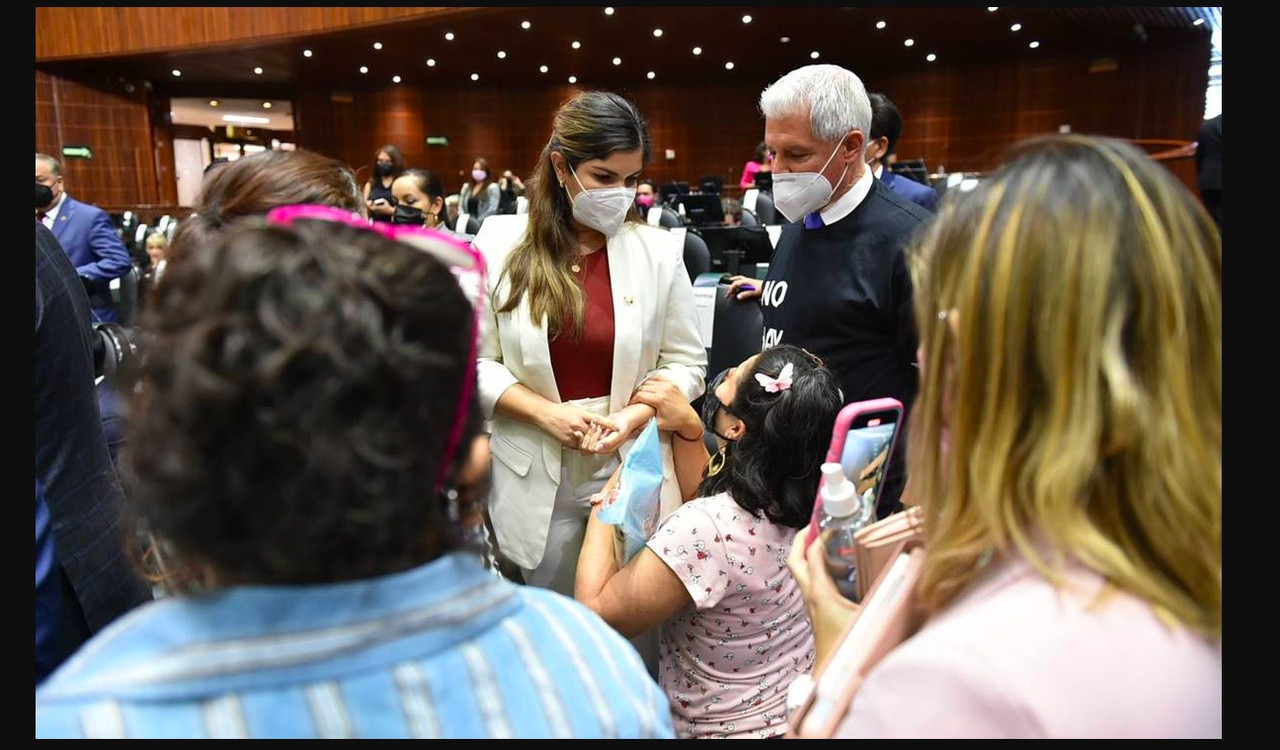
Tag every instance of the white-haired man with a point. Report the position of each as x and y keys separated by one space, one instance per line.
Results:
x=838 y=284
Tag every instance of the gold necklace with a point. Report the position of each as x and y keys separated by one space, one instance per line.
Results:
x=576 y=265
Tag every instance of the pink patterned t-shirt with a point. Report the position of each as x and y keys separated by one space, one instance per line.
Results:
x=727 y=662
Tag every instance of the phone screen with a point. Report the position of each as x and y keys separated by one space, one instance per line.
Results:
x=863 y=447
x=866 y=453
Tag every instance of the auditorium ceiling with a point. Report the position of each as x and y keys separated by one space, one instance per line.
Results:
x=636 y=46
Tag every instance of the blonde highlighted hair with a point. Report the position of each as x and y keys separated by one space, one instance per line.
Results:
x=590 y=125
x=1070 y=318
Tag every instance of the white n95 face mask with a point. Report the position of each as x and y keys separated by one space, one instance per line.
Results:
x=797 y=194
x=602 y=208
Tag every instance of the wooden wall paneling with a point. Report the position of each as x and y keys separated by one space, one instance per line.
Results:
x=116 y=124
x=70 y=32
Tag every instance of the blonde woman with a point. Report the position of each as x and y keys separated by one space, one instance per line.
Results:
x=586 y=303
x=1066 y=448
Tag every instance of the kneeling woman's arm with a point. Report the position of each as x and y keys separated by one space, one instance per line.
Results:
x=633 y=598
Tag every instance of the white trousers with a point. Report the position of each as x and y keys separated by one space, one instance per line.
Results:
x=581 y=476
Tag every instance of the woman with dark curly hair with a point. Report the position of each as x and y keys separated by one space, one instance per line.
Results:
x=306 y=444
x=734 y=630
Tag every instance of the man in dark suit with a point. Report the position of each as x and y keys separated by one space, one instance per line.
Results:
x=85 y=502
x=886 y=128
x=86 y=235
x=1209 y=166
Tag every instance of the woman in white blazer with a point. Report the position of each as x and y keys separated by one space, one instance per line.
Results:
x=585 y=303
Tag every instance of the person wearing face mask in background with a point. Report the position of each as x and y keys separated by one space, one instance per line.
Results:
x=585 y=303
x=388 y=164
x=86 y=235
x=647 y=196
x=420 y=197
x=480 y=196
x=838 y=282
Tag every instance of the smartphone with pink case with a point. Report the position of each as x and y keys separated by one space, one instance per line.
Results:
x=862 y=441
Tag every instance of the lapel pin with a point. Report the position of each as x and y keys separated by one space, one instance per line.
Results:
x=629 y=299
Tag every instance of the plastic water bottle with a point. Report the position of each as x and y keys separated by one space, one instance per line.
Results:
x=843 y=513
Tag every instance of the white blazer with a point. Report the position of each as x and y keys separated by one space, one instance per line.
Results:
x=655 y=331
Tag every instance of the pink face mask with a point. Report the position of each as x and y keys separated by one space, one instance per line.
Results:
x=478 y=175
x=645 y=200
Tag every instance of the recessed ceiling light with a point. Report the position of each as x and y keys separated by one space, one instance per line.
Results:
x=931 y=57
x=257 y=71
x=746 y=19
x=617 y=61
x=306 y=53
x=697 y=50
x=1033 y=45
x=908 y=42
x=377 y=45
x=395 y=79
x=475 y=76
x=576 y=45
x=1016 y=27
x=213 y=102
x=543 y=69
x=177 y=72
x=608 y=11
x=993 y=8
x=728 y=66
x=266 y=105
x=1197 y=22
x=502 y=55
x=784 y=39
x=246 y=120
x=448 y=36
x=657 y=32
x=364 y=68
x=431 y=62
x=573 y=79
x=651 y=75
x=813 y=55
x=525 y=24
x=881 y=24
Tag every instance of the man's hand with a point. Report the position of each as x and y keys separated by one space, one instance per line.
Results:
x=744 y=287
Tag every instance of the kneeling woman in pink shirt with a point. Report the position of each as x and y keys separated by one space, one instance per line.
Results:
x=734 y=631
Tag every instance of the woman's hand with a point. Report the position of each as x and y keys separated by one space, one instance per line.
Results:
x=672 y=408
x=570 y=424
x=627 y=423
x=829 y=610
x=744 y=287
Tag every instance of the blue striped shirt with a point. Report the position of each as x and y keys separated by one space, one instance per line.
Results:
x=443 y=650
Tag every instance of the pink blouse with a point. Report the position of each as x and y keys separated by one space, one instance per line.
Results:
x=1015 y=657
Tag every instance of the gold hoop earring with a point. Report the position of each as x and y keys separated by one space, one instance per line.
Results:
x=716 y=463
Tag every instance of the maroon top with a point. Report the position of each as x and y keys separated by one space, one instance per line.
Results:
x=584 y=368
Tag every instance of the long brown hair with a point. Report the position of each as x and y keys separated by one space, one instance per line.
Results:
x=591 y=125
x=1070 y=317
x=255 y=184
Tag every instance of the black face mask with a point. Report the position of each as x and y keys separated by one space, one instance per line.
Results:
x=384 y=169
x=711 y=405
x=408 y=215
x=44 y=195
